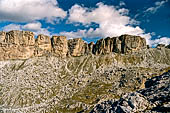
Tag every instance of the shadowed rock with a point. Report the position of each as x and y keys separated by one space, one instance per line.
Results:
x=103 y=46
x=77 y=47
x=168 y=46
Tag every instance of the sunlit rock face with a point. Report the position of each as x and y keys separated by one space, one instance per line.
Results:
x=59 y=45
x=77 y=47
x=131 y=44
x=42 y=45
x=23 y=45
x=69 y=76
x=124 y=44
x=16 y=45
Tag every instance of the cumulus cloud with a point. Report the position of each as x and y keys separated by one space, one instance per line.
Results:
x=11 y=27
x=122 y=3
x=163 y=40
x=156 y=7
x=32 y=26
x=30 y=10
x=111 y=21
x=35 y=27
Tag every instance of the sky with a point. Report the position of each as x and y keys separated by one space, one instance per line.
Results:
x=89 y=19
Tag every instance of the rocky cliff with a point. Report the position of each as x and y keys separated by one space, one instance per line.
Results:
x=120 y=69
x=23 y=45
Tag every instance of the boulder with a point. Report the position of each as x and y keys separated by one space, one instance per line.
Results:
x=77 y=47
x=59 y=45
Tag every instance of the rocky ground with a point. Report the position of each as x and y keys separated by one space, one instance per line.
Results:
x=154 y=98
x=86 y=83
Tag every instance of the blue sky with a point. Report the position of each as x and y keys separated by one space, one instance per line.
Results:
x=89 y=19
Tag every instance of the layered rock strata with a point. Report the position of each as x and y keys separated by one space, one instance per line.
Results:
x=23 y=45
x=16 y=45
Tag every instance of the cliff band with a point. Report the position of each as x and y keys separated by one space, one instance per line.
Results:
x=23 y=45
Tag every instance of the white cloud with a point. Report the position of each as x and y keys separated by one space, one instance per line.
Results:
x=30 y=10
x=32 y=26
x=11 y=27
x=122 y=3
x=103 y=12
x=157 y=6
x=35 y=27
x=163 y=40
x=111 y=22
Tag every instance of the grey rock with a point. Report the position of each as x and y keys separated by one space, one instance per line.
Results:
x=154 y=98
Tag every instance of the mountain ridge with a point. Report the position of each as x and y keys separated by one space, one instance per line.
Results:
x=79 y=81
x=23 y=45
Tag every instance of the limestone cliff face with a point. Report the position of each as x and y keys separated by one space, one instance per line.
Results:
x=2 y=37
x=60 y=46
x=76 y=84
x=77 y=47
x=168 y=46
x=103 y=46
x=131 y=44
x=16 y=45
x=23 y=45
x=42 y=45
x=124 y=44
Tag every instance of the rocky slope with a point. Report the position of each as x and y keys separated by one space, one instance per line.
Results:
x=88 y=74
x=154 y=98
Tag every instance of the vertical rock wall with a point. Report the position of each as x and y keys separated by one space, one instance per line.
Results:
x=23 y=45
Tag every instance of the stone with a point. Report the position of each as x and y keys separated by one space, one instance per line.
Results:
x=155 y=97
x=77 y=47
x=42 y=45
x=2 y=37
x=160 y=46
x=90 y=47
x=117 y=48
x=59 y=45
x=124 y=44
x=168 y=46
x=103 y=46
x=131 y=43
x=24 y=38
x=22 y=44
x=16 y=45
